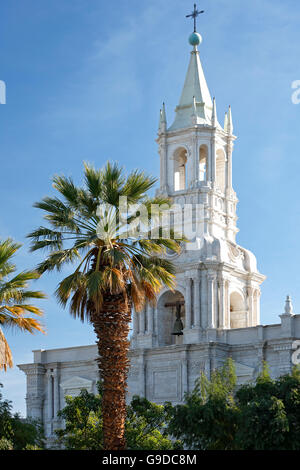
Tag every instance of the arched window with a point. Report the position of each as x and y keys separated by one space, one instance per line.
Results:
x=220 y=170
x=238 y=313
x=203 y=152
x=180 y=159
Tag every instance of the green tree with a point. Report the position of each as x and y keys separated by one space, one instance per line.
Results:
x=270 y=412
x=17 y=433
x=83 y=422
x=115 y=271
x=208 y=418
x=145 y=427
x=15 y=298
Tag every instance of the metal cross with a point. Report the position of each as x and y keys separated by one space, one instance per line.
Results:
x=178 y=306
x=194 y=15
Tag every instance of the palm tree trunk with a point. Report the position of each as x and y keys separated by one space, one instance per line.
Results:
x=111 y=326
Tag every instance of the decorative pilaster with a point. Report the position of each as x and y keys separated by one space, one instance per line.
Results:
x=250 y=316
x=211 y=300
x=213 y=157
x=50 y=397
x=188 y=303
x=227 y=305
x=229 y=164
x=203 y=300
x=222 y=304
x=197 y=307
x=35 y=395
x=184 y=372
x=56 y=397
x=149 y=319
x=135 y=323
x=142 y=322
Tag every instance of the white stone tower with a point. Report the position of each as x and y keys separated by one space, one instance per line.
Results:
x=218 y=282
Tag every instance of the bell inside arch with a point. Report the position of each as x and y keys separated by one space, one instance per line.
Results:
x=178 y=327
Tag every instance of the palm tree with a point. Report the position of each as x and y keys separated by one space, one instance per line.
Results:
x=115 y=272
x=14 y=298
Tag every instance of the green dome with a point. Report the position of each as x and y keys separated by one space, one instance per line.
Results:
x=195 y=39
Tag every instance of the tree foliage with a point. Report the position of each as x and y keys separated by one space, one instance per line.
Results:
x=16 y=310
x=115 y=268
x=264 y=415
x=17 y=433
x=145 y=428
x=208 y=418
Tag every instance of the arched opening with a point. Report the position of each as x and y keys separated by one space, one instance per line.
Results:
x=220 y=170
x=166 y=316
x=238 y=313
x=203 y=153
x=180 y=160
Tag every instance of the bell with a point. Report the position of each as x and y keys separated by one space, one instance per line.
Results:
x=178 y=327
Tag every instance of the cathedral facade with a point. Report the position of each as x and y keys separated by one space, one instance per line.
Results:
x=215 y=309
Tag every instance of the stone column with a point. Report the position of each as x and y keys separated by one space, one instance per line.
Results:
x=142 y=367
x=149 y=319
x=196 y=161
x=188 y=302
x=222 y=304
x=211 y=300
x=135 y=323
x=197 y=308
x=208 y=164
x=250 y=316
x=227 y=305
x=213 y=159
x=155 y=327
x=163 y=165
x=229 y=164
x=56 y=392
x=142 y=322
x=49 y=393
x=203 y=300
x=34 y=390
x=184 y=371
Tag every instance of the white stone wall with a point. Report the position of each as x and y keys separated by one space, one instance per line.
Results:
x=158 y=373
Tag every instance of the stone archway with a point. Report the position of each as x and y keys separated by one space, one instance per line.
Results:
x=238 y=312
x=166 y=315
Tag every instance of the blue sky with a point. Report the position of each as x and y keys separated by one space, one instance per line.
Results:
x=85 y=81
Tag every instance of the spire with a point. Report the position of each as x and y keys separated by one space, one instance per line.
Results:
x=230 y=124
x=162 y=119
x=288 y=306
x=214 y=118
x=195 y=89
x=226 y=123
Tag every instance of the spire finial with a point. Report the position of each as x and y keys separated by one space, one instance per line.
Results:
x=230 y=124
x=288 y=306
x=194 y=15
x=214 y=118
x=162 y=119
x=195 y=38
x=226 y=123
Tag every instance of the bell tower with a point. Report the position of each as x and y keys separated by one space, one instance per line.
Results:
x=196 y=152
x=218 y=283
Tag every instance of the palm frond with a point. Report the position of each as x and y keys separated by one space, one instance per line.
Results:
x=93 y=181
x=137 y=185
x=5 y=353
x=68 y=189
